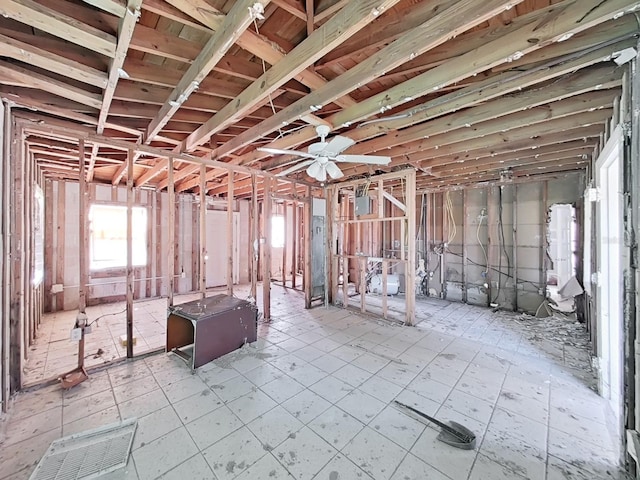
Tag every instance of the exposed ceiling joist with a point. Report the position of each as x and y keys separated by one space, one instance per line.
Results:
x=235 y=23
x=48 y=20
x=351 y=19
x=416 y=41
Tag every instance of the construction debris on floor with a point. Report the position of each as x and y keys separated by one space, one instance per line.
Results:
x=314 y=398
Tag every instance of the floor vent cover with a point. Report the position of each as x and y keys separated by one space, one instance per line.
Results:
x=87 y=454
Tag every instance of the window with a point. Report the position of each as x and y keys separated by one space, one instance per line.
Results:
x=108 y=242
x=277 y=231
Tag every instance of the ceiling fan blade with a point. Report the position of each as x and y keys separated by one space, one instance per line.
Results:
x=277 y=151
x=337 y=145
x=371 y=159
x=333 y=170
x=294 y=168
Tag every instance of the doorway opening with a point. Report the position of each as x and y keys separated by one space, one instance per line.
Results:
x=562 y=247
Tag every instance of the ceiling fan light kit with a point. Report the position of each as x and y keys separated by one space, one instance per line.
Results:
x=322 y=156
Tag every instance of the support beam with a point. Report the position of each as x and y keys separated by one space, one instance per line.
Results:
x=235 y=23
x=254 y=247
x=266 y=251
x=453 y=21
x=50 y=21
x=82 y=231
x=203 y=233
x=129 y=299
x=310 y=13
x=230 y=239
x=24 y=52
x=171 y=235
x=125 y=34
x=355 y=16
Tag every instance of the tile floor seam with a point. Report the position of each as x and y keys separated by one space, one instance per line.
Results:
x=484 y=436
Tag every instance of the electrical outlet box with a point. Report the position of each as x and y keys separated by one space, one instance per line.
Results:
x=57 y=288
x=363 y=205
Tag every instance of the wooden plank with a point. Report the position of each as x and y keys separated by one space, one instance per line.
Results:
x=465 y=272
x=230 y=239
x=307 y=221
x=310 y=14
x=28 y=78
x=115 y=7
x=60 y=240
x=137 y=272
x=125 y=34
x=574 y=18
x=171 y=235
x=294 y=243
x=284 y=246
x=355 y=16
x=385 y=288
x=203 y=232
x=48 y=20
x=362 y=264
x=130 y=155
x=235 y=23
x=254 y=246
x=24 y=52
x=16 y=344
x=82 y=230
x=48 y=245
x=419 y=40
x=266 y=251
x=157 y=205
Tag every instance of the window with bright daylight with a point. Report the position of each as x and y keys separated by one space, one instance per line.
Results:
x=108 y=241
x=277 y=231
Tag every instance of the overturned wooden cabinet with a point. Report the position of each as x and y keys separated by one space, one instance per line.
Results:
x=205 y=329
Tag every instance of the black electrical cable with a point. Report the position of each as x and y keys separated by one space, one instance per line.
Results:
x=106 y=315
x=519 y=280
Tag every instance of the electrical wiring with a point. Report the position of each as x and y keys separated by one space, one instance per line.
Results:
x=106 y=315
x=451 y=220
x=484 y=251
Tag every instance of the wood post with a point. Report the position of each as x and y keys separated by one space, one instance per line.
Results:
x=363 y=282
x=172 y=234
x=203 y=232
x=130 y=156
x=307 y=220
x=230 y=239
x=294 y=242
x=82 y=205
x=266 y=251
x=410 y=279
x=464 y=246
x=254 y=246
x=157 y=205
x=514 y=253
x=385 y=272
x=5 y=306
x=284 y=246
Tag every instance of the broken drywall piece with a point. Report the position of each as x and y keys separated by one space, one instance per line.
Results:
x=571 y=289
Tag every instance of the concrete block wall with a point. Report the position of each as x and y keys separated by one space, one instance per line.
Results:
x=150 y=280
x=511 y=277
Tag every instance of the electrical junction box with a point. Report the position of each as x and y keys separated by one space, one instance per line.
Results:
x=363 y=205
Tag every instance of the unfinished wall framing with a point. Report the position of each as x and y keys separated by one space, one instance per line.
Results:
x=372 y=243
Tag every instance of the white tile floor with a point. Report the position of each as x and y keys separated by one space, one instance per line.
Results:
x=313 y=399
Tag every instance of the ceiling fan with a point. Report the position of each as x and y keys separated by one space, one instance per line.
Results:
x=322 y=156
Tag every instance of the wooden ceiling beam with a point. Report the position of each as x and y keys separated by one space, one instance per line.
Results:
x=569 y=17
x=292 y=7
x=22 y=76
x=52 y=62
x=48 y=20
x=492 y=146
x=443 y=164
x=164 y=9
x=235 y=23
x=115 y=7
x=125 y=34
x=380 y=34
x=448 y=23
x=310 y=12
x=351 y=19
x=495 y=116
x=327 y=8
